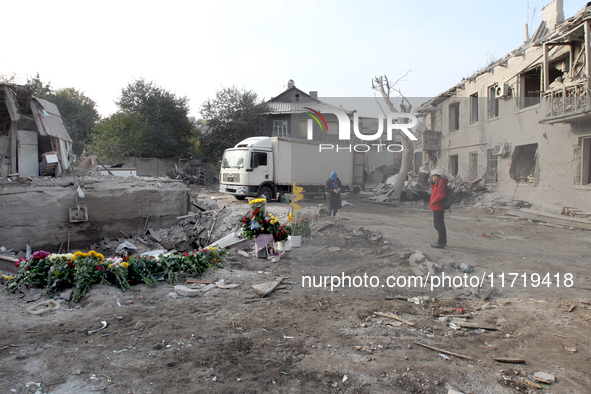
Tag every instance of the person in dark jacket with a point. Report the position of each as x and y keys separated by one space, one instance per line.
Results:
x=438 y=183
x=333 y=194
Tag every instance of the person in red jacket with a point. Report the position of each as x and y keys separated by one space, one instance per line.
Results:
x=438 y=183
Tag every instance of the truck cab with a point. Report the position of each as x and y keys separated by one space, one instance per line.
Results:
x=247 y=169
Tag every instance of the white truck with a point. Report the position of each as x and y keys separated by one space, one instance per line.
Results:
x=267 y=167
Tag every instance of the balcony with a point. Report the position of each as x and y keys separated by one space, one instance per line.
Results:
x=567 y=104
x=431 y=140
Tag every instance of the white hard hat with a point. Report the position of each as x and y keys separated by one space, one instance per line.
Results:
x=437 y=171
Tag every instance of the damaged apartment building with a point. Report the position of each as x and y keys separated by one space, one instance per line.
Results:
x=523 y=123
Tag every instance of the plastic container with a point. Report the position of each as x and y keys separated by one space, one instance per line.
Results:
x=295 y=241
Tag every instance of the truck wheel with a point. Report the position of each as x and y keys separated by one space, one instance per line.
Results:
x=266 y=193
x=240 y=197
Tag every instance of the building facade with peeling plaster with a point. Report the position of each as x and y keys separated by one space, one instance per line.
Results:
x=522 y=124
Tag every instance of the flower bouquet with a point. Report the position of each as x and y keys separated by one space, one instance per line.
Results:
x=258 y=223
x=81 y=270
x=301 y=227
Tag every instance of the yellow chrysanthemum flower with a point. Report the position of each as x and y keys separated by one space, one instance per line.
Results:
x=124 y=265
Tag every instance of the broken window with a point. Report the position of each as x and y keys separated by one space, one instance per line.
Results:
x=473 y=166
x=474 y=108
x=523 y=163
x=558 y=73
x=432 y=121
x=453 y=165
x=529 y=87
x=493 y=102
x=586 y=162
x=280 y=128
x=454 y=116
x=492 y=162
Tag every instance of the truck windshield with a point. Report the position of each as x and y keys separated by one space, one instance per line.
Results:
x=234 y=158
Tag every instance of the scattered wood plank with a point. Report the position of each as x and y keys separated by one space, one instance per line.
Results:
x=387 y=255
x=572 y=308
x=208 y=287
x=205 y=282
x=478 y=326
x=561 y=336
x=8 y=258
x=510 y=360
x=265 y=288
x=552 y=218
x=533 y=384
x=444 y=351
x=187 y=216
x=343 y=240
x=461 y=316
x=393 y=316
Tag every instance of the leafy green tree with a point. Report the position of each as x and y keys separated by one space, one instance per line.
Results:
x=40 y=90
x=117 y=136
x=233 y=115
x=7 y=78
x=79 y=115
x=151 y=122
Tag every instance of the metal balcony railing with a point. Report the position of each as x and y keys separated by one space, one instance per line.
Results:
x=572 y=99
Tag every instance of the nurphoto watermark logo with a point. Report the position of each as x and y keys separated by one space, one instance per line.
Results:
x=394 y=122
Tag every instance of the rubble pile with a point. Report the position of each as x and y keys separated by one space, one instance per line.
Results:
x=200 y=229
x=197 y=231
x=337 y=236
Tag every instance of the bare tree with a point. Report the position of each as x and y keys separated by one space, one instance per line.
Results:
x=385 y=87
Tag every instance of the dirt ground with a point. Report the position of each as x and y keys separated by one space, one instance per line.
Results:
x=303 y=340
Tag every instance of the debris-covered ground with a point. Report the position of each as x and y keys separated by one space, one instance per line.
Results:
x=301 y=339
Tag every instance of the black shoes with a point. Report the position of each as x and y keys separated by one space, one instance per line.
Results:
x=438 y=246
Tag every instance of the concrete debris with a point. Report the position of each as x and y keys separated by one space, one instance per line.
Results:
x=447 y=263
x=243 y=253
x=126 y=248
x=172 y=295
x=66 y=295
x=208 y=287
x=223 y=285
x=544 y=377
x=198 y=230
x=334 y=249
x=187 y=292
x=465 y=268
x=416 y=258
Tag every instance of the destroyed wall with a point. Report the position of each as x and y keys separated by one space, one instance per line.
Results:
x=467 y=143
x=38 y=211
x=150 y=166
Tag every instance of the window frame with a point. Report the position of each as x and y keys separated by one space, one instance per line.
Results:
x=474 y=109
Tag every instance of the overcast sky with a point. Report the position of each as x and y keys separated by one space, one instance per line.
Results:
x=194 y=48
